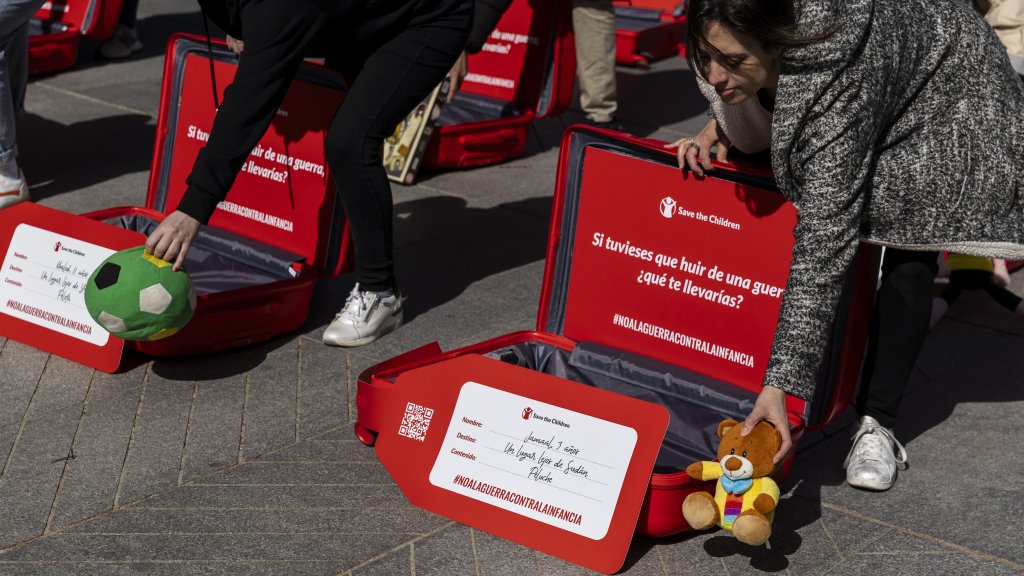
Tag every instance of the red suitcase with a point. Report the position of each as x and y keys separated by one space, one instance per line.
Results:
x=524 y=71
x=55 y=29
x=649 y=30
x=602 y=301
x=279 y=231
x=254 y=266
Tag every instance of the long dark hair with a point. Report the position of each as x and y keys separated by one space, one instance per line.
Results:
x=771 y=22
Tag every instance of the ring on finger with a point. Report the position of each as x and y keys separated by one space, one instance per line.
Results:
x=696 y=148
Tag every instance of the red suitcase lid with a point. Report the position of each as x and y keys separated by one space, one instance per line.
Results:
x=529 y=58
x=284 y=195
x=645 y=259
x=94 y=18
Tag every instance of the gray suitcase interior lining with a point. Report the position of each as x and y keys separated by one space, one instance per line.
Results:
x=696 y=403
x=219 y=261
x=466 y=108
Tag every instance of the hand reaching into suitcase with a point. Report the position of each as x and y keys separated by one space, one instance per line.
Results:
x=696 y=152
x=172 y=238
x=771 y=407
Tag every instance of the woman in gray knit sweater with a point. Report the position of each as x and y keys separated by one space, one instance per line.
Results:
x=904 y=135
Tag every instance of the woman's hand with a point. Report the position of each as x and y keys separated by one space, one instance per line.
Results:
x=172 y=238
x=771 y=407
x=235 y=45
x=457 y=73
x=696 y=152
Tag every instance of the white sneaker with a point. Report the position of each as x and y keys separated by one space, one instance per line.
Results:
x=871 y=463
x=365 y=317
x=122 y=44
x=12 y=190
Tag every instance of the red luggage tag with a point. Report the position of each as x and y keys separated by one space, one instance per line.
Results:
x=47 y=257
x=551 y=464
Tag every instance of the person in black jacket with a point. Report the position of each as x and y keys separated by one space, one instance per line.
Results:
x=394 y=52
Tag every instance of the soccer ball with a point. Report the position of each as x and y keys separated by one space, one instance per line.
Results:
x=137 y=296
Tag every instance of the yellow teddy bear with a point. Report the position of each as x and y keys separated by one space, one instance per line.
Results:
x=745 y=497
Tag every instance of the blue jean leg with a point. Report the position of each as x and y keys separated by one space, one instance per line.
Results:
x=14 y=17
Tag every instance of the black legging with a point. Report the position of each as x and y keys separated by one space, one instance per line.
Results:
x=899 y=325
x=392 y=80
x=960 y=280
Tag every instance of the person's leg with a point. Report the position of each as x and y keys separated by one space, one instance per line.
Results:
x=129 y=12
x=14 y=17
x=899 y=325
x=125 y=40
x=392 y=80
x=593 y=24
x=1005 y=298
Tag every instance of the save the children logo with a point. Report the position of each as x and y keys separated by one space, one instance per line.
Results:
x=526 y=413
x=56 y=247
x=668 y=206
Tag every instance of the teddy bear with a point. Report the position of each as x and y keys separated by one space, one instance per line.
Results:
x=745 y=497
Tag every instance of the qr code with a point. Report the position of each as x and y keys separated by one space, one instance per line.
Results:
x=415 y=422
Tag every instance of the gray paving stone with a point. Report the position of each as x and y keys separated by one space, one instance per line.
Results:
x=106 y=385
x=7 y=436
x=216 y=427
x=385 y=496
x=33 y=472
x=396 y=563
x=921 y=565
x=21 y=366
x=90 y=481
x=179 y=568
x=63 y=384
x=154 y=457
x=346 y=549
x=340 y=434
x=401 y=523
x=497 y=556
x=300 y=474
x=347 y=451
x=685 y=554
x=323 y=383
x=270 y=416
x=446 y=553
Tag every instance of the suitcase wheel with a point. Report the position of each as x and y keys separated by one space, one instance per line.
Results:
x=365 y=435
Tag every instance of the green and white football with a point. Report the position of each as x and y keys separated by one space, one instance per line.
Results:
x=137 y=296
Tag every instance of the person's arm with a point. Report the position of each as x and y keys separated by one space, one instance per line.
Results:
x=276 y=35
x=828 y=168
x=485 y=18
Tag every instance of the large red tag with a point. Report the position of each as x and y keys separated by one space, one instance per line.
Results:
x=47 y=257
x=551 y=464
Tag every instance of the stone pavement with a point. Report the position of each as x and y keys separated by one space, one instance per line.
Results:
x=244 y=462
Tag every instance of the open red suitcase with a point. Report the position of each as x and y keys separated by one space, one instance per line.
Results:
x=277 y=234
x=649 y=30
x=524 y=71
x=691 y=335
x=55 y=29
